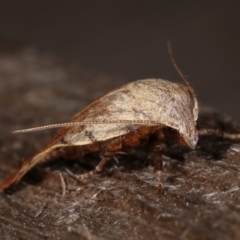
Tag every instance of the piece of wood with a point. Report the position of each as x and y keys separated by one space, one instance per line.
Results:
x=202 y=192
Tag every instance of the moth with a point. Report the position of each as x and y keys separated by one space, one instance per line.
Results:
x=144 y=109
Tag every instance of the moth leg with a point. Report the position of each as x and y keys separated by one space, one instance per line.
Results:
x=158 y=166
x=108 y=150
x=98 y=168
x=219 y=133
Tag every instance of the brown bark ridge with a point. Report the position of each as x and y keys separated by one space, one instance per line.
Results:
x=201 y=187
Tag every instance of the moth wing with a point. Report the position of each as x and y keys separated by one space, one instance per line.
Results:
x=27 y=165
x=142 y=100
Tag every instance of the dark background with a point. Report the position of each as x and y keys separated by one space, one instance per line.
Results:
x=128 y=39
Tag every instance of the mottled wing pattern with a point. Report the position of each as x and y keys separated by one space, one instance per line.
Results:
x=151 y=99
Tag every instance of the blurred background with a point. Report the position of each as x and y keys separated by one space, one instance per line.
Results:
x=128 y=39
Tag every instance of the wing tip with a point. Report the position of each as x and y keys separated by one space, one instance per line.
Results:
x=9 y=181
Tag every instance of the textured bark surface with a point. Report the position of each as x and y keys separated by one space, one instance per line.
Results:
x=202 y=195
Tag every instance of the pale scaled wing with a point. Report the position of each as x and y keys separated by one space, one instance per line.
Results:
x=151 y=99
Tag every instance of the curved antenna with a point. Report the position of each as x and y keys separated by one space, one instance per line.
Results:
x=73 y=124
x=179 y=71
x=184 y=77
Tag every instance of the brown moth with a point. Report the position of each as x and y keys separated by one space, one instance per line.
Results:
x=127 y=116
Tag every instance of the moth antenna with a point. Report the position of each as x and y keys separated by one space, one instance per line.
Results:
x=177 y=68
x=73 y=124
x=219 y=133
x=184 y=77
x=35 y=129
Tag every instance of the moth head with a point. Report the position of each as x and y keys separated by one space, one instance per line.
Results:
x=192 y=139
x=174 y=134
